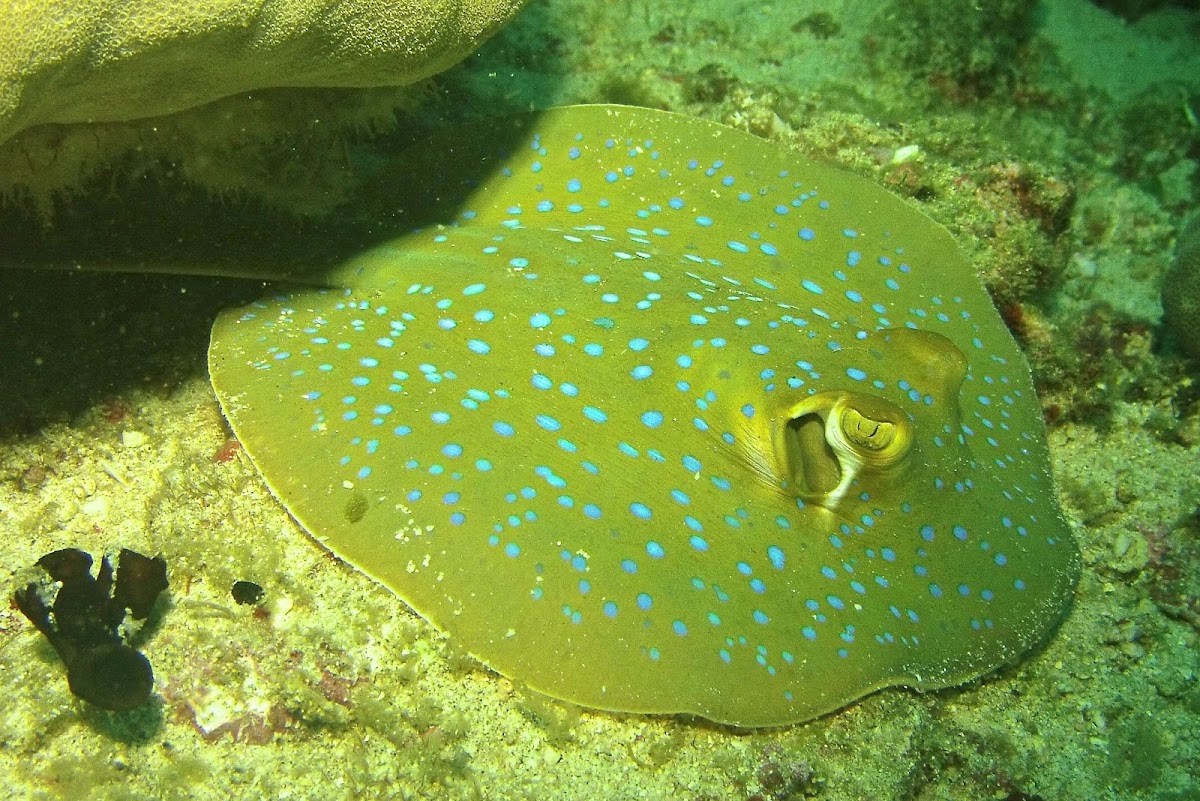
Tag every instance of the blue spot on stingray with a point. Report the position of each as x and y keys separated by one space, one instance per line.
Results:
x=594 y=414
x=652 y=419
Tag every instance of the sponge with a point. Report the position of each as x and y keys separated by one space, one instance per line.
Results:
x=72 y=61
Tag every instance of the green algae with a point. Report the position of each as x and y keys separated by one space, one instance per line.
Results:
x=1137 y=753
x=960 y=49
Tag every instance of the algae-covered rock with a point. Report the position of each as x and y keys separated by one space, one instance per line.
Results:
x=72 y=61
x=962 y=49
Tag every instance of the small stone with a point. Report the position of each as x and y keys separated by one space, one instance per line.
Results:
x=96 y=508
x=1131 y=552
x=133 y=439
x=1173 y=682
x=247 y=592
x=906 y=153
x=1133 y=650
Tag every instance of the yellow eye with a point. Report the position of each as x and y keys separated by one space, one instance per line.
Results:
x=869 y=430
x=874 y=435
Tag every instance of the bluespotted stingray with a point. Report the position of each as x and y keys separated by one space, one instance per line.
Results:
x=654 y=416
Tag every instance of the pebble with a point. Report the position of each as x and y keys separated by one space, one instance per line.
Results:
x=133 y=439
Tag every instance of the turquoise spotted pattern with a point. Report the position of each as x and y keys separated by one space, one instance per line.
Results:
x=651 y=415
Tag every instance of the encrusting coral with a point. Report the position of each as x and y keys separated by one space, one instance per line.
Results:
x=111 y=60
x=74 y=74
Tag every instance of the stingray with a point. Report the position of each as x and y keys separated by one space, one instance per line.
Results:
x=654 y=416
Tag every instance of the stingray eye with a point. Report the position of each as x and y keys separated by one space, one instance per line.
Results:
x=832 y=438
x=875 y=431
x=872 y=435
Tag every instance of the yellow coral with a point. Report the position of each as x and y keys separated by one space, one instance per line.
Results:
x=70 y=61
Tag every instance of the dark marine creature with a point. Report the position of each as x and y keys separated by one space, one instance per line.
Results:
x=247 y=592
x=83 y=620
x=1181 y=292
